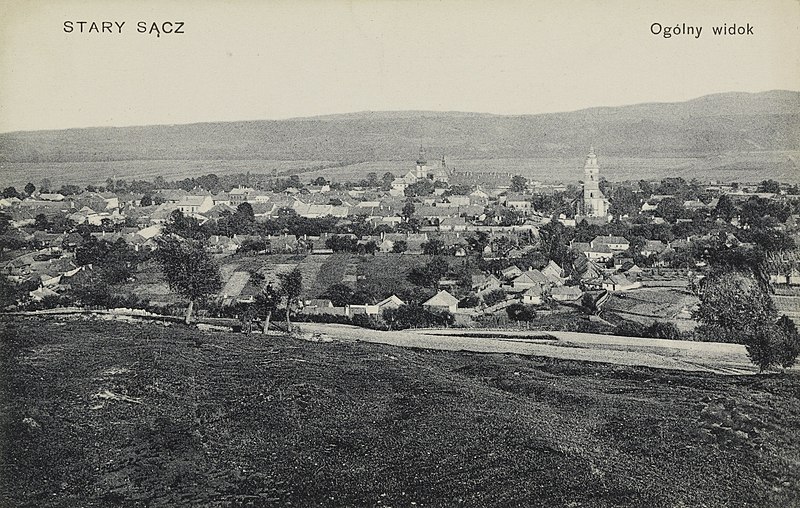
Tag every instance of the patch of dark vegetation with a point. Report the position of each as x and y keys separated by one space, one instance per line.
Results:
x=498 y=335
x=107 y=414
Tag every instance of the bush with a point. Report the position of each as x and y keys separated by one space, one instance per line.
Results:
x=469 y=302
x=520 y=312
x=663 y=330
x=630 y=329
x=494 y=297
x=407 y=316
x=788 y=344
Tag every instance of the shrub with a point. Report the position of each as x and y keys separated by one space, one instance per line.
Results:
x=663 y=330
x=494 y=297
x=788 y=344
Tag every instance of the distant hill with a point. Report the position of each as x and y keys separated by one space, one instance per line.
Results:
x=707 y=126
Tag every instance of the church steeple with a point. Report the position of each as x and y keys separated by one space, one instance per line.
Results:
x=421 y=160
x=594 y=202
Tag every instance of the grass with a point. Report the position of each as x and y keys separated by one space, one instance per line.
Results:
x=387 y=274
x=650 y=304
x=226 y=419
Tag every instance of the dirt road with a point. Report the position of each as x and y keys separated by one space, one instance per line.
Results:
x=659 y=353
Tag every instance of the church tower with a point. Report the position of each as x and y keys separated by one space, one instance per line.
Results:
x=422 y=164
x=595 y=203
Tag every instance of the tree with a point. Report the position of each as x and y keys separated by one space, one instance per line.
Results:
x=494 y=297
x=518 y=183
x=267 y=300
x=415 y=315
x=181 y=225
x=40 y=222
x=735 y=307
x=789 y=346
x=10 y=192
x=732 y=302
x=669 y=209
x=30 y=189
x=146 y=200
x=69 y=190
x=92 y=290
x=189 y=269
x=770 y=186
x=433 y=247
x=339 y=294
x=430 y=274
x=420 y=188
x=408 y=209
x=291 y=286
x=624 y=202
x=399 y=246
x=520 y=312
x=725 y=208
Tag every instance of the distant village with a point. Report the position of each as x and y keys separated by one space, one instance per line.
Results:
x=469 y=249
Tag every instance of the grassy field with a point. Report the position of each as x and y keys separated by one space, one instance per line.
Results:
x=83 y=173
x=739 y=167
x=735 y=167
x=102 y=414
x=654 y=304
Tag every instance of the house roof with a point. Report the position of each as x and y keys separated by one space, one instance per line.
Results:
x=442 y=299
x=392 y=300
x=610 y=239
x=192 y=200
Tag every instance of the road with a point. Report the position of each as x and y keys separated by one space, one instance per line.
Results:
x=658 y=353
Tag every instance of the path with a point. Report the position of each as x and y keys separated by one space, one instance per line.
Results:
x=659 y=353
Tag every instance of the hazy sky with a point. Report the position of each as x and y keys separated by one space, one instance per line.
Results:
x=266 y=60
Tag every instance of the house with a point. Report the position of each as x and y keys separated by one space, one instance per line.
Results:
x=442 y=301
x=510 y=272
x=453 y=224
x=565 y=293
x=391 y=302
x=619 y=282
x=195 y=204
x=528 y=280
x=519 y=202
x=534 y=295
x=554 y=273
x=615 y=243
x=241 y=195
x=653 y=247
x=320 y=303
x=485 y=284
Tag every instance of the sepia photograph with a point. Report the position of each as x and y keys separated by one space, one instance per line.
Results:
x=400 y=253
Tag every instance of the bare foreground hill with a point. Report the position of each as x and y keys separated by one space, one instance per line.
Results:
x=110 y=414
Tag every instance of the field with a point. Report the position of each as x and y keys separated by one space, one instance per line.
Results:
x=102 y=414
x=654 y=304
x=738 y=167
x=735 y=167
x=83 y=173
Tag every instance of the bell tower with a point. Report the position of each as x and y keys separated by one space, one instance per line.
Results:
x=422 y=164
x=594 y=202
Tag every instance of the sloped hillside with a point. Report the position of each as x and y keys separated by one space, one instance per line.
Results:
x=109 y=414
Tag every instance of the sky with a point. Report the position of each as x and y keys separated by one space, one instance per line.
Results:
x=249 y=60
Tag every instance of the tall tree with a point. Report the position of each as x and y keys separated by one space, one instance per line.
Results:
x=518 y=183
x=291 y=286
x=189 y=269
x=30 y=188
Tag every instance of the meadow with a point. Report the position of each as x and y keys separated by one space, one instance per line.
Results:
x=98 y=413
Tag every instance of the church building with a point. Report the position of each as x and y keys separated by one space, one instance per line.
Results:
x=594 y=203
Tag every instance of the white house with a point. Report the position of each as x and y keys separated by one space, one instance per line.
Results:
x=442 y=301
